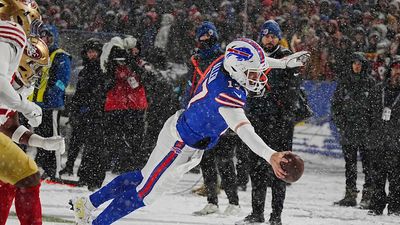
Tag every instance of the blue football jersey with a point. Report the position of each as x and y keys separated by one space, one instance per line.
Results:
x=200 y=125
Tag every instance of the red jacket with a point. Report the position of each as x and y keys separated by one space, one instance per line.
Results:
x=122 y=96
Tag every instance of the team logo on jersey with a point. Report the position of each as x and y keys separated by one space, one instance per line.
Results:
x=240 y=53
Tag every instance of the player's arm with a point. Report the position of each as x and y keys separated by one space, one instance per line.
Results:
x=20 y=134
x=8 y=95
x=238 y=122
x=297 y=59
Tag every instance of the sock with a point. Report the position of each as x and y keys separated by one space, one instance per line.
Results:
x=121 y=206
x=27 y=205
x=6 y=198
x=122 y=183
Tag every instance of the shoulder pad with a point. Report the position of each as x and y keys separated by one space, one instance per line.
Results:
x=12 y=33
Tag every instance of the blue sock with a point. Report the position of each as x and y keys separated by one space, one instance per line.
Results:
x=121 y=184
x=119 y=207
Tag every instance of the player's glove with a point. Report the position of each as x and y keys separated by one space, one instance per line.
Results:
x=55 y=143
x=297 y=59
x=31 y=111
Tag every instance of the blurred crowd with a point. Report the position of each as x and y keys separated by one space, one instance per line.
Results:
x=330 y=29
x=122 y=99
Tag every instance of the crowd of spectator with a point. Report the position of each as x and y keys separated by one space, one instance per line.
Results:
x=330 y=29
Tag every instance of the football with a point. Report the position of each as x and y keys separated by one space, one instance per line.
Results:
x=294 y=167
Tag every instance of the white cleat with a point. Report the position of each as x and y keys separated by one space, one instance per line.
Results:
x=82 y=210
x=232 y=210
x=208 y=209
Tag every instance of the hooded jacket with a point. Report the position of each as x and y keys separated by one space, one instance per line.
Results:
x=55 y=77
x=350 y=102
x=126 y=91
x=384 y=133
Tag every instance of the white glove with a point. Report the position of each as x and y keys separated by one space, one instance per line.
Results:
x=31 y=111
x=34 y=116
x=55 y=143
x=297 y=59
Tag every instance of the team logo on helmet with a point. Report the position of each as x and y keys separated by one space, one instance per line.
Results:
x=241 y=54
x=37 y=50
x=33 y=52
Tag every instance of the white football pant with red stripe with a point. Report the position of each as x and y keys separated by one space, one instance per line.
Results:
x=168 y=162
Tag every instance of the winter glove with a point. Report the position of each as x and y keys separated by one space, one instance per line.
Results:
x=56 y=143
x=297 y=59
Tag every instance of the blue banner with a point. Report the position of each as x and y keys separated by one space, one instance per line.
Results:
x=318 y=134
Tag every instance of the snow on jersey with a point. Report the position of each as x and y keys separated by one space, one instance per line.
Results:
x=200 y=125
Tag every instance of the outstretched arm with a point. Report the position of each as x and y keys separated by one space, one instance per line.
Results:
x=238 y=122
x=20 y=134
x=297 y=59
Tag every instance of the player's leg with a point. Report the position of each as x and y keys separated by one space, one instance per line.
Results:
x=19 y=169
x=120 y=184
x=6 y=198
x=27 y=205
x=165 y=167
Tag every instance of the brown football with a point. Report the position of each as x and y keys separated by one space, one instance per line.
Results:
x=294 y=167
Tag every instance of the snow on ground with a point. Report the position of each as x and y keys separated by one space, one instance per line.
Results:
x=308 y=202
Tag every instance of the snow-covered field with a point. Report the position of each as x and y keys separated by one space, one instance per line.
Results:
x=308 y=202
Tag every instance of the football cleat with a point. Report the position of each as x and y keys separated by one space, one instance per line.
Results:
x=82 y=208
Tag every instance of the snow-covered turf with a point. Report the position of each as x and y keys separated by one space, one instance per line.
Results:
x=308 y=202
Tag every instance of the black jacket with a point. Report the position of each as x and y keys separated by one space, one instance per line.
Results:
x=350 y=105
x=88 y=101
x=272 y=114
x=281 y=99
x=383 y=133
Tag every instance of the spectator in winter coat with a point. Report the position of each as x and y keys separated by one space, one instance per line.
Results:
x=50 y=96
x=148 y=34
x=383 y=140
x=125 y=103
x=86 y=118
x=163 y=32
x=349 y=111
x=280 y=118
